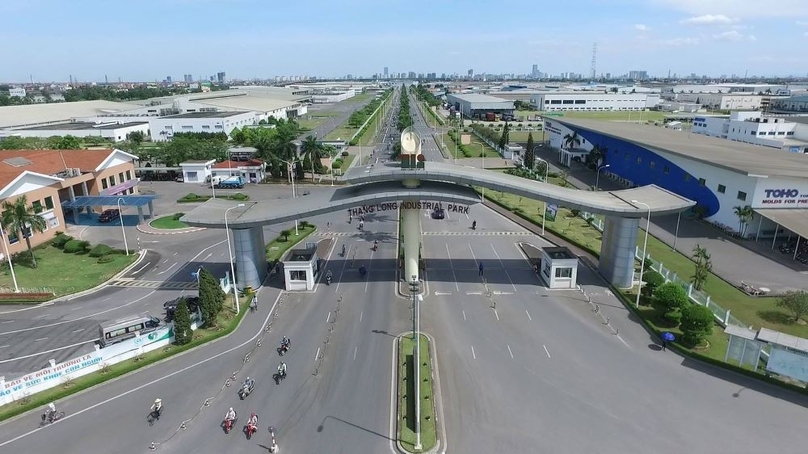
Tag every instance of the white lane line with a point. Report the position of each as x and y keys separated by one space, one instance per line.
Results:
x=354 y=352
x=7 y=321
x=545 y=351
x=496 y=314
x=457 y=286
x=464 y=316
x=167 y=269
x=175 y=254
x=78 y=330
x=141 y=268
x=106 y=299
x=443 y=293
x=328 y=317
x=624 y=342
x=509 y=351
x=472 y=352
x=503 y=266
x=40 y=339
x=75 y=308
x=207 y=256
x=528 y=315
x=41 y=316
x=474 y=293
x=317 y=355
x=4 y=346
x=473 y=257
x=360 y=316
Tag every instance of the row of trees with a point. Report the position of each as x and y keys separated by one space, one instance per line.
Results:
x=426 y=96
x=695 y=321
x=404 y=115
x=49 y=143
x=358 y=118
x=211 y=303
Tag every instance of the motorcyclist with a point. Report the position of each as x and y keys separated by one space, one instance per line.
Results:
x=50 y=411
x=248 y=383
x=253 y=421
x=328 y=276
x=286 y=342
x=343 y=250
x=375 y=245
x=157 y=407
x=282 y=369
x=473 y=225
x=230 y=415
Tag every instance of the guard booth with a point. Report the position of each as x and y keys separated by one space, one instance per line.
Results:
x=301 y=268
x=559 y=268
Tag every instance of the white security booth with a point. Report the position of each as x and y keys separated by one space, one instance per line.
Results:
x=559 y=267
x=196 y=171
x=301 y=267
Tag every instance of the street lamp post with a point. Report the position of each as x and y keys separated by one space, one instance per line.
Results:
x=644 y=248
x=290 y=165
x=416 y=324
x=482 y=154
x=230 y=256
x=597 y=177
x=546 y=173
x=8 y=257
x=123 y=232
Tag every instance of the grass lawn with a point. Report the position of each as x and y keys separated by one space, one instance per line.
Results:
x=342 y=132
x=315 y=119
x=521 y=136
x=406 y=392
x=346 y=162
x=473 y=148
x=277 y=247
x=169 y=222
x=62 y=273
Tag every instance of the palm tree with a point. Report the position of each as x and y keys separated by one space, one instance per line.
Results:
x=745 y=215
x=18 y=217
x=310 y=151
x=702 y=268
x=571 y=140
x=597 y=156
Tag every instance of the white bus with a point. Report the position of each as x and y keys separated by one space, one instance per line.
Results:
x=115 y=331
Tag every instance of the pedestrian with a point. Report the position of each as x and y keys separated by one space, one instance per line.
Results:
x=481 y=268
x=664 y=345
x=361 y=225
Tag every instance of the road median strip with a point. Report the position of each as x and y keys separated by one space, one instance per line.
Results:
x=406 y=395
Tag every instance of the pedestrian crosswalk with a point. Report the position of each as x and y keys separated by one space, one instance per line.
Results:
x=334 y=234
x=167 y=285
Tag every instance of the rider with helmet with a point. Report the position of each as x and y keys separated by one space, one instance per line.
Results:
x=253 y=421
x=282 y=369
x=157 y=407
x=230 y=415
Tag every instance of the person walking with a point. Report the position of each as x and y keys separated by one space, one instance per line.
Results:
x=481 y=268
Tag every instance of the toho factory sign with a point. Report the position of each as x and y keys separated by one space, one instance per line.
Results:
x=784 y=196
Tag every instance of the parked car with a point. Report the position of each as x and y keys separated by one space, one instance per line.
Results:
x=438 y=213
x=109 y=215
x=171 y=306
x=179 y=179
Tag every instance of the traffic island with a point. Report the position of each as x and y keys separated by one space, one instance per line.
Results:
x=407 y=395
x=170 y=222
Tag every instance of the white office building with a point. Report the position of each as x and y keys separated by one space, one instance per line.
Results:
x=725 y=101
x=593 y=101
x=163 y=128
x=754 y=128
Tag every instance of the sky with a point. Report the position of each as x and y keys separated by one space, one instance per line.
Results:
x=147 y=40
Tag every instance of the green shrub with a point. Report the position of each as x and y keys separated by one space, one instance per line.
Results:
x=671 y=296
x=697 y=324
x=75 y=246
x=190 y=196
x=673 y=317
x=60 y=240
x=236 y=196
x=100 y=250
x=337 y=164
x=105 y=259
x=344 y=153
x=177 y=216
x=652 y=281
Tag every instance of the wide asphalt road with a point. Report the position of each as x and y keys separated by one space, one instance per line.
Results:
x=345 y=407
x=531 y=370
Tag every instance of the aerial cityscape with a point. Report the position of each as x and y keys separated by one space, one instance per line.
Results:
x=370 y=227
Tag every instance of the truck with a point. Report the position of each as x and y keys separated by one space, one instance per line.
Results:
x=490 y=116
x=228 y=183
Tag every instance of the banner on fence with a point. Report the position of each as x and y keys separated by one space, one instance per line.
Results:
x=551 y=212
x=50 y=374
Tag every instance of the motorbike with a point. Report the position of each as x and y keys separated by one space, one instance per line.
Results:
x=228 y=424
x=375 y=246
x=474 y=225
x=362 y=271
x=343 y=250
x=50 y=417
x=284 y=348
x=246 y=389
x=328 y=279
x=251 y=429
x=278 y=377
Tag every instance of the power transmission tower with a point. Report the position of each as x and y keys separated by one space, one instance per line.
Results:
x=593 y=69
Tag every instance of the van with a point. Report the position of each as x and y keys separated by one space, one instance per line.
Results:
x=115 y=331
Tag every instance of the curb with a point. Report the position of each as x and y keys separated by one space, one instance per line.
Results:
x=142 y=228
x=103 y=284
x=437 y=401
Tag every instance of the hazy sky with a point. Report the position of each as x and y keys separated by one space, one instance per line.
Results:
x=152 y=39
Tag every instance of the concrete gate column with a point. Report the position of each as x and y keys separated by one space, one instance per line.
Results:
x=411 y=235
x=617 y=250
x=250 y=256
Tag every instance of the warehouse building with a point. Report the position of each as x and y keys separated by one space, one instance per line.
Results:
x=163 y=128
x=593 y=101
x=478 y=106
x=114 y=132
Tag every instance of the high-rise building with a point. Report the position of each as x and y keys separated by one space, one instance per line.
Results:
x=385 y=72
x=535 y=72
x=168 y=79
x=638 y=75
x=220 y=77
x=471 y=73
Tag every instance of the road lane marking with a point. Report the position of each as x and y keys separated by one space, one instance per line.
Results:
x=40 y=339
x=167 y=269
x=474 y=293
x=41 y=316
x=472 y=352
x=545 y=351
x=78 y=330
x=457 y=286
x=509 y=351
x=354 y=352
x=502 y=293
x=443 y=293
x=4 y=346
x=464 y=316
x=624 y=342
x=360 y=316
x=496 y=314
x=528 y=315
x=472 y=254
x=503 y=266
x=7 y=321
x=328 y=317
x=317 y=355
x=106 y=299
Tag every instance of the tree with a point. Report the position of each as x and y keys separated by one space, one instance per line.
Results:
x=596 y=157
x=182 y=324
x=136 y=137
x=68 y=143
x=671 y=296
x=211 y=297
x=795 y=302
x=285 y=234
x=745 y=215
x=310 y=150
x=652 y=280
x=530 y=157
x=505 y=137
x=572 y=140
x=703 y=267
x=697 y=324
x=21 y=219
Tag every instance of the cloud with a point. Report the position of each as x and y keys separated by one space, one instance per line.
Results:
x=802 y=23
x=679 y=42
x=744 y=9
x=734 y=36
x=641 y=27
x=805 y=34
x=709 y=19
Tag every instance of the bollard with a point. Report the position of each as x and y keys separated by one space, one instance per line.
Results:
x=183 y=426
x=152 y=446
x=227 y=383
x=207 y=403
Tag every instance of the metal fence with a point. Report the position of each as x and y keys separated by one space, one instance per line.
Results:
x=722 y=316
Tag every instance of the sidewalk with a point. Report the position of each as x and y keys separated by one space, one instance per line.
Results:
x=733 y=261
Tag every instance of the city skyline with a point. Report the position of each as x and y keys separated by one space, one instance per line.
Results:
x=250 y=39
